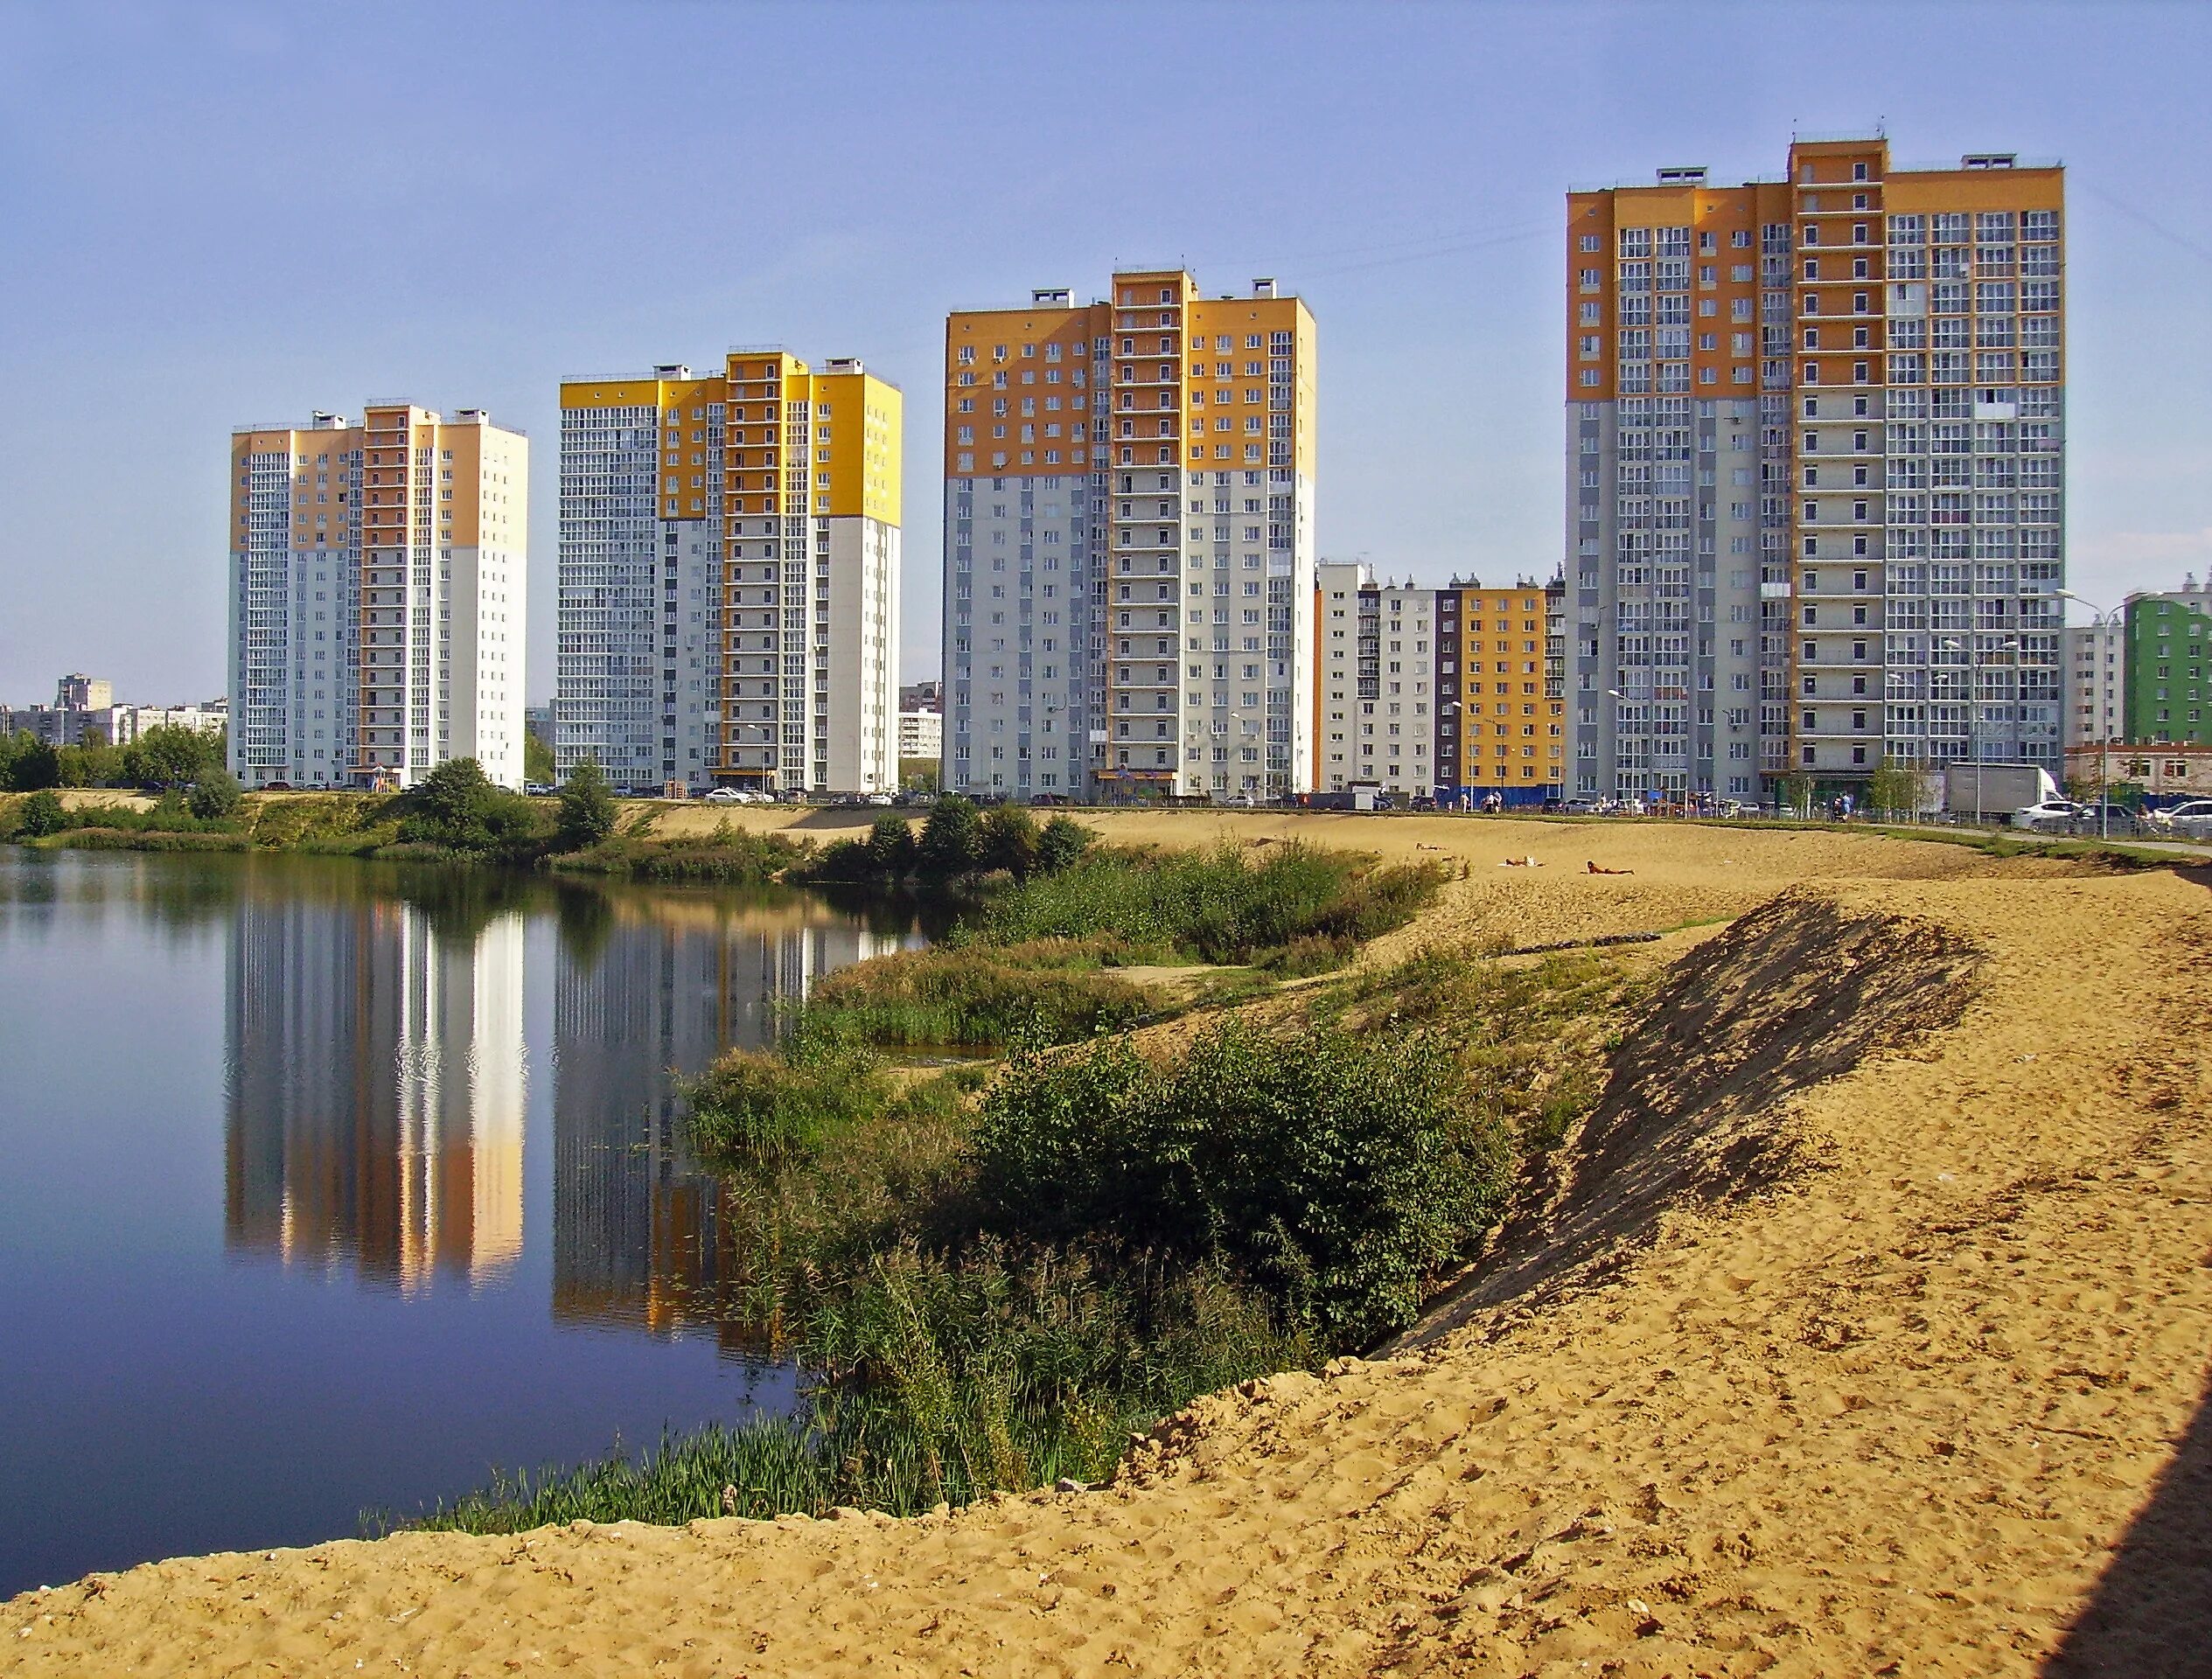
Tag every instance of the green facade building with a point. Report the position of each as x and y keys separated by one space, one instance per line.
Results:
x=2164 y=664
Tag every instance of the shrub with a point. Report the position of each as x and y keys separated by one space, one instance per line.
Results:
x=952 y=842
x=216 y=796
x=1340 y=1171
x=890 y=849
x=40 y=815
x=1062 y=842
x=1008 y=840
x=587 y=808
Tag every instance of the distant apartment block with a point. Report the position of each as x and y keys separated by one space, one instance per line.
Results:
x=1453 y=693
x=922 y=696
x=1816 y=464
x=729 y=576
x=921 y=734
x=378 y=583
x=1128 y=534
x=1501 y=725
x=2095 y=676
x=1376 y=717
x=2164 y=639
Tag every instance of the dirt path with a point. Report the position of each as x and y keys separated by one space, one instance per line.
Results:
x=1890 y=1408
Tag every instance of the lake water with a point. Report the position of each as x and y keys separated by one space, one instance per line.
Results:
x=328 y=1186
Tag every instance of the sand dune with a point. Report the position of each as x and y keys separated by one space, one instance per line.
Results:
x=1865 y=1331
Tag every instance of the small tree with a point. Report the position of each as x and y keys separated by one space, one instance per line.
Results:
x=890 y=849
x=587 y=807
x=1898 y=785
x=31 y=764
x=41 y=814
x=951 y=839
x=1009 y=840
x=1062 y=842
x=215 y=795
x=537 y=760
x=169 y=754
x=1795 y=790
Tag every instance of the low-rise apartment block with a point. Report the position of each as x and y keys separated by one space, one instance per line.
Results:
x=378 y=596
x=1501 y=728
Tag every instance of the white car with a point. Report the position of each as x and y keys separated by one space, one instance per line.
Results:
x=2047 y=813
x=724 y=796
x=2190 y=822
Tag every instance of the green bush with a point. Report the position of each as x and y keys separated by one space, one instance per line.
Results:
x=1341 y=1171
x=40 y=815
x=587 y=808
x=951 y=843
x=215 y=796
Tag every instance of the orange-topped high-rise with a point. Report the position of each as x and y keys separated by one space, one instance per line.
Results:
x=1815 y=458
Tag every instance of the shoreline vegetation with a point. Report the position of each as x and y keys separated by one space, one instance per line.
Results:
x=992 y=1276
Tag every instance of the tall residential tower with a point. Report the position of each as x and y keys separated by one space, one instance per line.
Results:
x=729 y=569
x=377 y=598
x=1815 y=448
x=1129 y=534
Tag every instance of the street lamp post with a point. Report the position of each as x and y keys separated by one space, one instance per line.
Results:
x=1973 y=736
x=2100 y=619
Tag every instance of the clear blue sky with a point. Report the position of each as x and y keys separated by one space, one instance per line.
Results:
x=219 y=214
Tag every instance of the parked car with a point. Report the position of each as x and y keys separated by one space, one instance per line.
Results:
x=2046 y=814
x=2098 y=820
x=2189 y=820
x=727 y=795
x=539 y=789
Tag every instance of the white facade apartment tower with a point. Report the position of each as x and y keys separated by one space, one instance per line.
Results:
x=1128 y=585
x=378 y=598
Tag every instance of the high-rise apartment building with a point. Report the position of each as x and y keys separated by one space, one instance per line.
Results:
x=1815 y=449
x=1128 y=539
x=729 y=572
x=378 y=590
x=1501 y=722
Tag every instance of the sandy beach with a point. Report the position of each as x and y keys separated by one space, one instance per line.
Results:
x=1866 y=1333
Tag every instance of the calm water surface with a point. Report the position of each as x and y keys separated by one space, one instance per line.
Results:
x=326 y=1186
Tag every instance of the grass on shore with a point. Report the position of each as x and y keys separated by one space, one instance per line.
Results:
x=989 y=1282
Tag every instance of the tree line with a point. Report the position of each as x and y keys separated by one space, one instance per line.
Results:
x=166 y=757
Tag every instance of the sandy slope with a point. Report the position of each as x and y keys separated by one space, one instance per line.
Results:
x=1887 y=1406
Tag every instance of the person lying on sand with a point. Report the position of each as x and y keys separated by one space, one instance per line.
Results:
x=1595 y=869
x=1520 y=862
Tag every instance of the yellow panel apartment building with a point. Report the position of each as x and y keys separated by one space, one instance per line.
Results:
x=729 y=576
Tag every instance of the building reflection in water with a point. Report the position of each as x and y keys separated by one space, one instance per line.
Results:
x=638 y=1233
x=377 y=1083
x=376 y=1089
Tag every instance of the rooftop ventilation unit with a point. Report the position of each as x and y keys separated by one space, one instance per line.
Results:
x=1688 y=174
